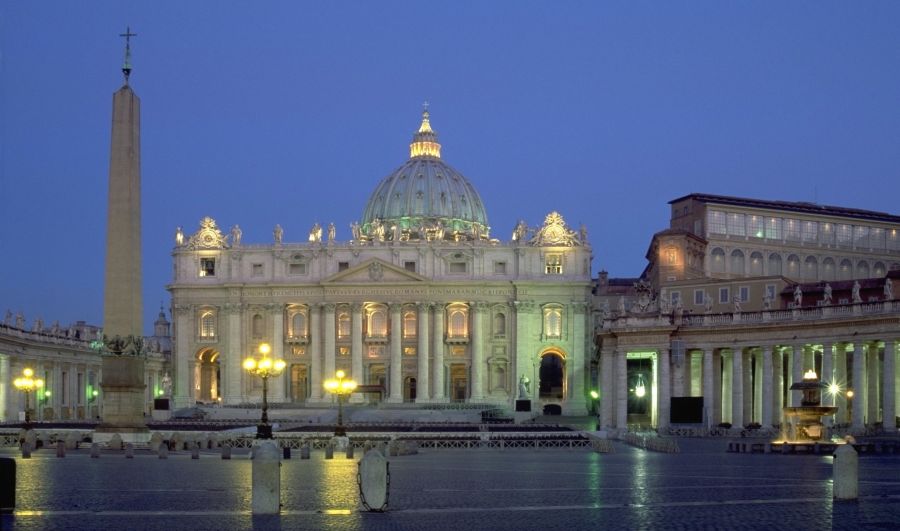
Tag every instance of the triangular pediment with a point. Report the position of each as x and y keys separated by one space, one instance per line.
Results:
x=374 y=271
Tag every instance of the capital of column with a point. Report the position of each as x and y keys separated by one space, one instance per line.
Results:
x=328 y=306
x=524 y=307
x=182 y=310
x=233 y=307
x=395 y=307
x=578 y=307
x=356 y=307
x=274 y=308
x=437 y=308
x=424 y=307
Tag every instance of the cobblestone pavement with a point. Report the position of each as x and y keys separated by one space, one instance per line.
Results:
x=701 y=488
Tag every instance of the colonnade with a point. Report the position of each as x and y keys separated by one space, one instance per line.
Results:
x=743 y=385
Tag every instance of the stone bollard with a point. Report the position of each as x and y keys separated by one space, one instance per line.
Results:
x=195 y=452
x=163 y=452
x=129 y=451
x=155 y=440
x=60 y=449
x=266 y=479
x=226 y=452
x=304 y=451
x=846 y=473
x=115 y=442
x=329 y=451
x=95 y=450
x=350 y=451
x=373 y=481
x=26 y=451
x=7 y=484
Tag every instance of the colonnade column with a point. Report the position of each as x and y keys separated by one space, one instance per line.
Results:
x=477 y=350
x=840 y=376
x=233 y=359
x=708 y=392
x=315 y=353
x=183 y=334
x=717 y=388
x=747 y=386
x=796 y=373
x=737 y=388
x=576 y=366
x=607 y=394
x=827 y=372
x=437 y=352
x=622 y=390
x=767 y=385
x=777 y=398
x=422 y=387
x=329 y=340
x=356 y=350
x=5 y=378
x=664 y=389
x=396 y=382
x=888 y=405
x=727 y=390
x=871 y=383
x=856 y=420
x=679 y=358
x=278 y=351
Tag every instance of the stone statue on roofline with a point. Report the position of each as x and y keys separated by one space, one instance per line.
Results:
x=331 y=232
x=855 y=293
x=179 y=236
x=798 y=296
x=277 y=234
x=827 y=297
x=8 y=320
x=236 y=234
x=888 y=289
x=707 y=302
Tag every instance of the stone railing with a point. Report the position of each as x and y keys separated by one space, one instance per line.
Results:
x=58 y=339
x=815 y=313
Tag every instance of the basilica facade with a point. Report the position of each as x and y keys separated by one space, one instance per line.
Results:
x=422 y=305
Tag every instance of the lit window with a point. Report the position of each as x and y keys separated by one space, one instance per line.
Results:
x=893 y=240
x=377 y=323
x=554 y=264
x=457 y=320
x=792 y=230
x=876 y=239
x=755 y=226
x=208 y=325
x=810 y=231
x=298 y=325
x=861 y=236
x=343 y=328
x=736 y=226
x=553 y=323
x=773 y=229
x=844 y=234
x=207 y=267
x=716 y=222
x=826 y=235
x=409 y=324
x=718 y=260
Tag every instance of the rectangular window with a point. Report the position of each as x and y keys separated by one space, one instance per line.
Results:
x=893 y=240
x=755 y=226
x=499 y=268
x=409 y=266
x=715 y=222
x=699 y=297
x=297 y=269
x=553 y=265
x=343 y=266
x=257 y=270
x=792 y=230
x=844 y=234
x=736 y=225
x=810 y=232
x=770 y=291
x=861 y=236
x=675 y=298
x=745 y=293
x=773 y=229
x=724 y=296
x=457 y=268
x=207 y=267
x=826 y=235
x=876 y=239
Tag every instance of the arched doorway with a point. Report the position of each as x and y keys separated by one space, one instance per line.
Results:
x=299 y=383
x=207 y=376
x=552 y=375
x=409 y=389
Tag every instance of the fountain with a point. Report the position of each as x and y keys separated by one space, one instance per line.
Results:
x=803 y=423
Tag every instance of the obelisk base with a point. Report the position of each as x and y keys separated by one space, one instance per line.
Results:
x=123 y=400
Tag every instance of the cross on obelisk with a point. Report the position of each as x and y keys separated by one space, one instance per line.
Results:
x=126 y=67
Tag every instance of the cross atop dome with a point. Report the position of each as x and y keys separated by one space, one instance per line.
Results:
x=425 y=142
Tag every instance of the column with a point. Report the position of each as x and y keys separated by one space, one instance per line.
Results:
x=477 y=309
x=5 y=378
x=840 y=376
x=277 y=390
x=183 y=333
x=575 y=397
x=757 y=385
x=727 y=386
x=437 y=352
x=796 y=373
x=747 y=387
x=607 y=394
x=767 y=387
x=777 y=384
x=356 y=350
x=856 y=419
x=681 y=362
x=665 y=388
x=422 y=380
x=233 y=359
x=315 y=352
x=737 y=391
x=696 y=382
x=888 y=411
x=718 y=416
x=396 y=375
x=708 y=393
x=871 y=383
x=827 y=373
x=622 y=390
x=328 y=369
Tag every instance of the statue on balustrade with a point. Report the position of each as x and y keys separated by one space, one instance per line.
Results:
x=277 y=234
x=888 y=289
x=523 y=387
x=856 y=296
x=798 y=297
x=236 y=234
x=767 y=302
x=827 y=298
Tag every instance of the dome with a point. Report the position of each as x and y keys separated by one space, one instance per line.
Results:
x=424 y=199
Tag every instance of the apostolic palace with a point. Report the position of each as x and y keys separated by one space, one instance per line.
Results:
x=425 y=304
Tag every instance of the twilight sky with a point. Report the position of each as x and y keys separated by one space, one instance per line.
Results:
x=260 y=113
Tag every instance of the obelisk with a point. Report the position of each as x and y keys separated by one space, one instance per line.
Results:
x=122 y=379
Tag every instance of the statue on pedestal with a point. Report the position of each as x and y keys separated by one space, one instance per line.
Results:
x=798 y=297
x=523 y=387
x=277 y=234
x=236 y=234
x=166 y=384
x=888 y=289
x=856 y=296
x=331 y=232
x=827 y=297
x=179 y=236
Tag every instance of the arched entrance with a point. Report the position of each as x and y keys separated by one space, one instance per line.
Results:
x=552 y=374
x=299 y=383
x=207 y=376
x=409 y=389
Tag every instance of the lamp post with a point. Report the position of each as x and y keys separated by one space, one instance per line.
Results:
x=340 y=386
x=26 y=383
x=264 y=367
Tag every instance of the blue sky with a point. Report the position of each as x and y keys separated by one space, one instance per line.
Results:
x=260 y=113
